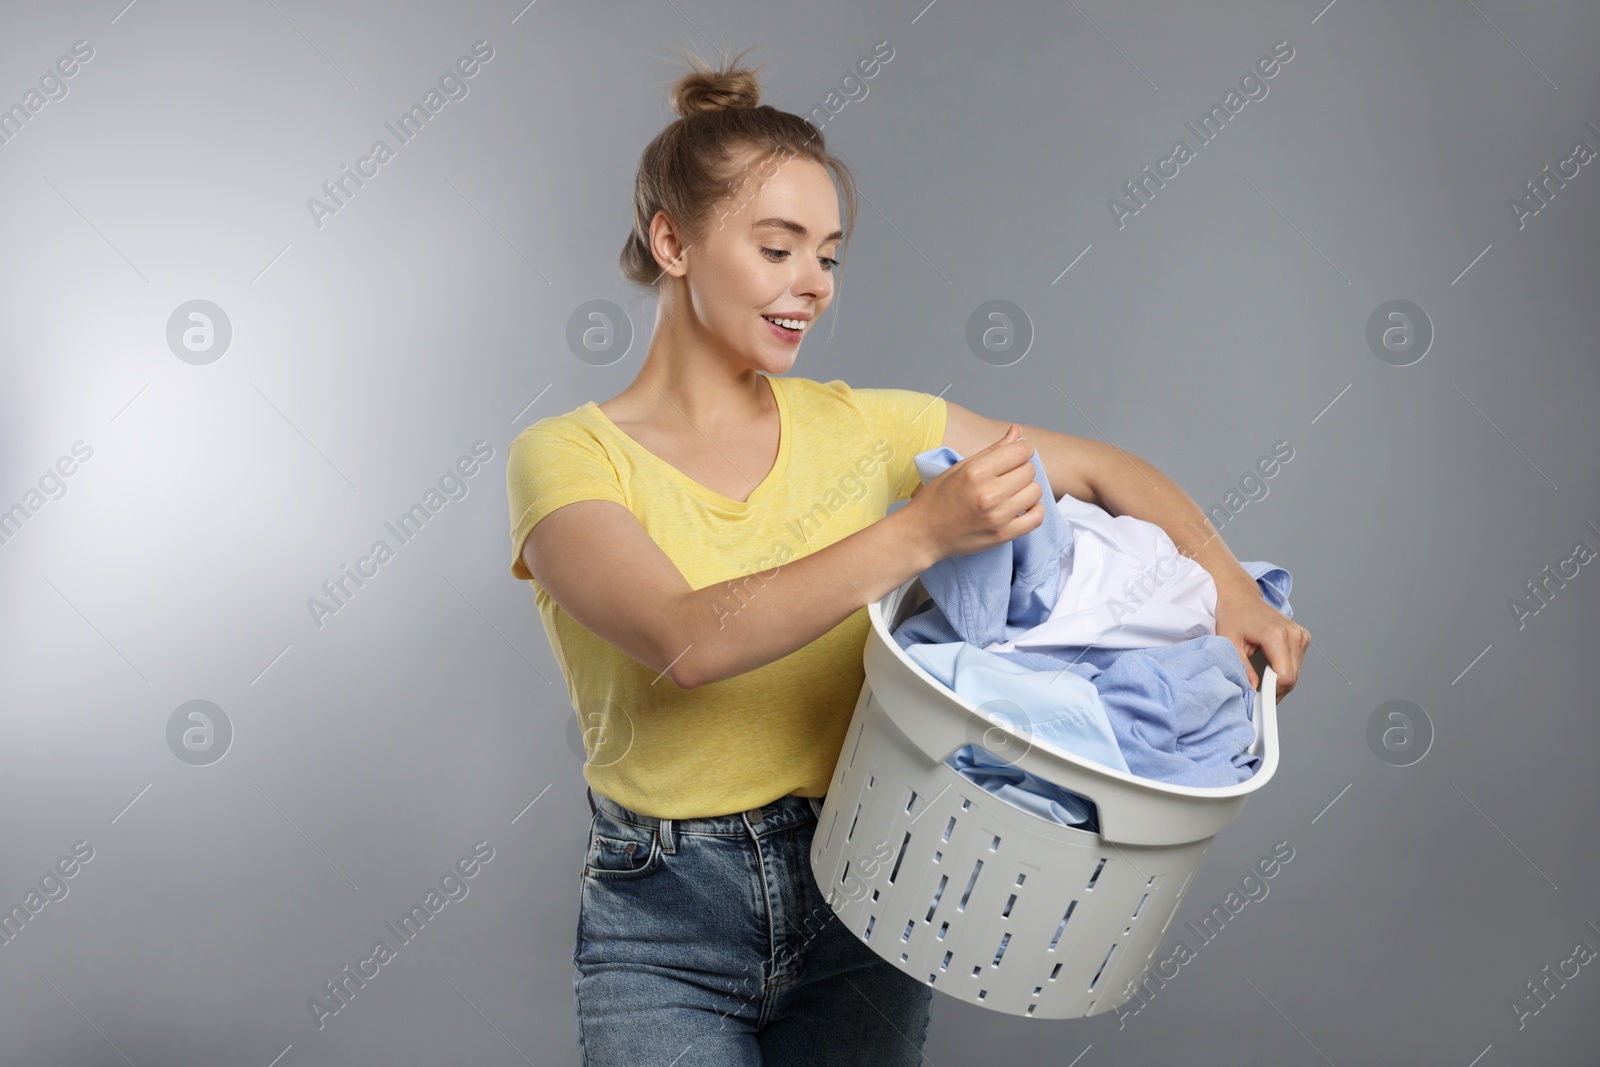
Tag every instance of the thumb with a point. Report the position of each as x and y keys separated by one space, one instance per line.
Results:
x=1011 y=434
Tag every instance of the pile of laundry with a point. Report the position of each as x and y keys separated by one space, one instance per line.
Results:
x=1090 y=635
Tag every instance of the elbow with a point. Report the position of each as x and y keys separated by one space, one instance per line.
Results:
x=680 y=664
x=681 y=678
x=685 y=678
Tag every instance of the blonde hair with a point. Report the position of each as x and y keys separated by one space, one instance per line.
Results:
x=690 y=167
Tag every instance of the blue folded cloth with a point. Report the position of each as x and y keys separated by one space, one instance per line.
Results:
x=1181 y=713
x=1028 y=792
x=1059 y=710
x=1012 y=582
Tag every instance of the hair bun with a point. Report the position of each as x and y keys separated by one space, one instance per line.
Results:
x=705 y=89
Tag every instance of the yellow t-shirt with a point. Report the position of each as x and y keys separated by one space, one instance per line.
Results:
x=844 y=455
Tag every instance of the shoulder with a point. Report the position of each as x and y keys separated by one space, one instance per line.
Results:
x=811 y=389
x=872 y=403
x=577 y=424
x=576 y=433
x=885 y=409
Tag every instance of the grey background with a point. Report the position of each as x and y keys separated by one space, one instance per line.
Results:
x=369 y=354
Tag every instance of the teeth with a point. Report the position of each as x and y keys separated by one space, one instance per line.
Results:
x=792 y=324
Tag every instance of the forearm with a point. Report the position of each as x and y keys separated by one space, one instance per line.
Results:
x=1128 y=485
x=731 y=627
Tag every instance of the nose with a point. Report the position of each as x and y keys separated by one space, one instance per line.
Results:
x=813 y=282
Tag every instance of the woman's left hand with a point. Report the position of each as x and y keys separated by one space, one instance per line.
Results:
x=1247 y=620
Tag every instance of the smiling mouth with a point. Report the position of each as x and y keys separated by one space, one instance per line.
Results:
x=794 y=326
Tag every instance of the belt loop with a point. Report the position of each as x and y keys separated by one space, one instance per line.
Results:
x=816 y=806
x=668 y=845
x=588 y=793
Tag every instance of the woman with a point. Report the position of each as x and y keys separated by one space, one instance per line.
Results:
x=703 y=546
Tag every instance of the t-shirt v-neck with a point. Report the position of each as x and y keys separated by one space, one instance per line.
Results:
x=764 y=489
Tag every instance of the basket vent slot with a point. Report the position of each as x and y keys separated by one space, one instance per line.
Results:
x=859 y=731
x=1063 y=925
x=1001 y=951
x=1095 y=877
x=1102 y=969
x=976 y=867
x=903 y=843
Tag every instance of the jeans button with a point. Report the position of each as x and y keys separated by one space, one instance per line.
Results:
x=756 y=814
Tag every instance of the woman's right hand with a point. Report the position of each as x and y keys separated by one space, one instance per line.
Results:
x=986 y=499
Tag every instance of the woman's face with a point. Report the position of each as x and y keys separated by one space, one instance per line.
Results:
x=767 y=251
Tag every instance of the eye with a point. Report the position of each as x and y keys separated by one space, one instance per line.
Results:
x=777 y=254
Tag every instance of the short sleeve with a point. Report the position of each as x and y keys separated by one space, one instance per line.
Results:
x=912 y=422
x=548 y=467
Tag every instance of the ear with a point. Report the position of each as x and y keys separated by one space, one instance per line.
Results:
x=667 y=246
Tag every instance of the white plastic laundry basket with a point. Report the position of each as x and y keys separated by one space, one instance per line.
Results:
x=979 y=898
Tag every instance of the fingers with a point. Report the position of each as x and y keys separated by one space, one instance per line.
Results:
x=1008 y=453
x=1026 y=521
x=1244 y=657
x=1284 y=655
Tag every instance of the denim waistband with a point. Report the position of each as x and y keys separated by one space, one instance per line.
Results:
x=775 y=815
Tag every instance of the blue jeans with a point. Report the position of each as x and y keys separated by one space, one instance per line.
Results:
x=707 y=943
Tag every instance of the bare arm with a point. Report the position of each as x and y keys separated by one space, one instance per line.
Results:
x=603 y=568
x=1119 y=482
x=1125 y=484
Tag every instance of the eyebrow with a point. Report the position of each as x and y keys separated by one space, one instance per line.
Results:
x=795 y=228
